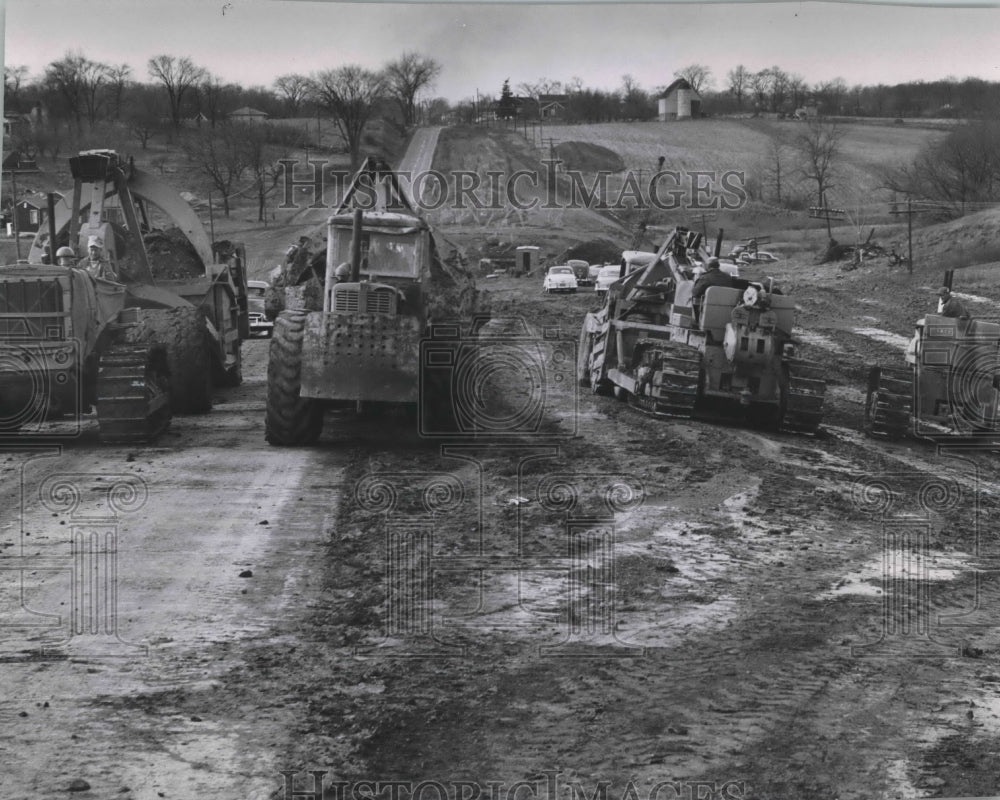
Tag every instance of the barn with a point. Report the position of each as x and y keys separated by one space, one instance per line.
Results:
x=678 y=101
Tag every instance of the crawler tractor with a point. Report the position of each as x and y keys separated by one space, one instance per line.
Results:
x=668 y=355
x=173 y=320
x=949 y=388
x=65 y=348
x=352 y=340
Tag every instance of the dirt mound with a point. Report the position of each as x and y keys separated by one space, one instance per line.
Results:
x=588 y=157
x=596 y=251
x=172 y=256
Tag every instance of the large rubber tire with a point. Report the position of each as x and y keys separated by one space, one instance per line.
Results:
x=292 y=420
x=182 y=332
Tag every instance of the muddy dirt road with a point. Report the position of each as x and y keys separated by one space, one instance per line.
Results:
x=133 y=582
x=600 y=602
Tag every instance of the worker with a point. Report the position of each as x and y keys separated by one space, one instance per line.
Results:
x=65 y=257
x=713 y=276
x=343 y=273
x=949 y=305
x=95 y=262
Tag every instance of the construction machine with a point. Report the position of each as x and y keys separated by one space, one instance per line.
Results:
x=947 y=390
x=352 y=338
x=138 y=348
x=65 y=348
x=730 y=352
x=185 y=291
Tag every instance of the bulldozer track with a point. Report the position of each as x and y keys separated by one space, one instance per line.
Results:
x=804 y=398
x=673 y=391
x=133 y=399
x=889 y=404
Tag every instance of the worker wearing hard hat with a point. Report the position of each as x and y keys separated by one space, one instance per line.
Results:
x=95 y=262
x=343 y=273
x=65 y=257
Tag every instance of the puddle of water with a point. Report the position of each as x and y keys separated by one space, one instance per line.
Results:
x=898 y=565
x=975 y=298
x=886 y=337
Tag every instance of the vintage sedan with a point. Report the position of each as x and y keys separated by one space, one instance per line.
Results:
x=559 y=279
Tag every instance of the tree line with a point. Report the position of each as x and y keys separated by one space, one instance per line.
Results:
x=78 y=102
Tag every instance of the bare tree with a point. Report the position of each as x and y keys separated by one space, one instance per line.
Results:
x=77 y=80
x=178 y=76
x=118 y=81
x=798 y=89
x=261 y=154
x=293 y=89
x=698 y=75
x=738 y=79
x=818 y=146
x=212 y=94
x=350 y=94
x=831 y=94
x=406 y=77
x=13 y=78
x=778 y=86
x=759 y=83
x=634 y=99
x=777 y=167
x=220 y=156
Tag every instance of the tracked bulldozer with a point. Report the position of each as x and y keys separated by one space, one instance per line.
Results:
x=948 y=389
x=731 y=354
x=174 y=297
x=352 y=339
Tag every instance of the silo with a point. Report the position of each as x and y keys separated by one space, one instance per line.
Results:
x=683 y=103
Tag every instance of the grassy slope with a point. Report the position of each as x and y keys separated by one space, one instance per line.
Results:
x=724 y=144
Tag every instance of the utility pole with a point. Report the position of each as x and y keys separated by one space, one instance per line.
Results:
x=13 y=208
x=896 y=209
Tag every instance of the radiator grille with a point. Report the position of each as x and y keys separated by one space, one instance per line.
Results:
x=349 y=301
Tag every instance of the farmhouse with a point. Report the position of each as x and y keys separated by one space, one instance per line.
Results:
x=678 y=101
x=552 y=106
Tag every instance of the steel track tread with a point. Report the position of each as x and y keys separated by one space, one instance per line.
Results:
x=132 y=405
x=805 y=397
x=674 y=389
x=889 y=405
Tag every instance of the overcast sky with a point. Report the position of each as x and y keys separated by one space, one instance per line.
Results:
x=478 y=45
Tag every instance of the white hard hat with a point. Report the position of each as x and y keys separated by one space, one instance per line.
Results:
x=95 y=241
x=65 y=252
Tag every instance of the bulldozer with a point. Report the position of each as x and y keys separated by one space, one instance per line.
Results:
x=948 y=388
x=731 y=353
x=65 y=348
x=175 y=295
x=348 y=330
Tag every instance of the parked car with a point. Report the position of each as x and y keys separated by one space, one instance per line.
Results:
x=594 y=271
x=581 y=269
x=606 y=277
x=560 y=278
x=760 y=257
x=259 y=323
